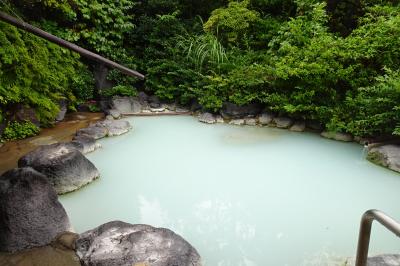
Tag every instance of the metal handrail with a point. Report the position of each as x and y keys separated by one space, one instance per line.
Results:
x=365 y=232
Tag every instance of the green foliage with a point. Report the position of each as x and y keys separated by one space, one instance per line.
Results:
x=232 y=23
x=171 y=80
x=376 y=108
x=36 y=73
x=203 y=51
x=119 y=90
x=19 y=130
x=83 y=85
x=335 y=62
x=94 y=108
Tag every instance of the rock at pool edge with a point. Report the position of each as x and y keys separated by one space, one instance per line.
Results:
x=65 y=167
x=121 y=244
x=30 y=213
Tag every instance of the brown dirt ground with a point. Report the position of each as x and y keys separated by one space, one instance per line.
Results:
x=11 y=151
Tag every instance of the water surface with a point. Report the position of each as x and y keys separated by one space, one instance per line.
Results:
x=240 y=195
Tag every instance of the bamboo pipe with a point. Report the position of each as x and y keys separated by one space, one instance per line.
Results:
x=54 y=39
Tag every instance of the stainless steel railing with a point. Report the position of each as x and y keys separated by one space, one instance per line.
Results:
x=365 y=232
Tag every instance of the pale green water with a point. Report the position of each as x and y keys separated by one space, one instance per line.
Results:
x=240 y=195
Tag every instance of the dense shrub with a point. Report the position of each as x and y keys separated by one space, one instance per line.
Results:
x=36 y=73
x=19 y=130
x=119 y=90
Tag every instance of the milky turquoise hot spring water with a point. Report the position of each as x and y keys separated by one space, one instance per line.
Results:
x=240 y=195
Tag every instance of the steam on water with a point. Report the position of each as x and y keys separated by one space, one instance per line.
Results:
x=240 y=195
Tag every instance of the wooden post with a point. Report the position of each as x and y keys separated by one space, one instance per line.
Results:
x=83 y=52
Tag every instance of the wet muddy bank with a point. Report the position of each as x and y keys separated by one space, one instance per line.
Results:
x=11 y=151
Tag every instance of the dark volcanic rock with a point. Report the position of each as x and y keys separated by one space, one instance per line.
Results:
x=94 y=132
x=207 y=118
x=122 y=244
x=231 y=110
x=143 y=97
x=86 y=144
x=83 y=107
x=65 y=167
x=154 y=101
x=30 y=213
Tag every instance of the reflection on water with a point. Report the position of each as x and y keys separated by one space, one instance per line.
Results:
x=278 y=198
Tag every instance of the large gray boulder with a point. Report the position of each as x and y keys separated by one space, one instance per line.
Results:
x=283 y=122
x=30 y=213
x=207 y=118
x=65 y=167
x=122 y=244
x=231 y=110
x=386 y=156
x=384 y=260
x=126 y=105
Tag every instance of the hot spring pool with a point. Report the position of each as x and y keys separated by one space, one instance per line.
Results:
x=240 y=195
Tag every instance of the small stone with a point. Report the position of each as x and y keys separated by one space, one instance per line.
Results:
x=237 y=122
x=63 y=110
x=337 y=136
x=207 y=118
x=143 y=97
x=298 y=126
x=157 y=110
x=231 y=110
x=171 y=107
x=265 y=118
x=283 y=122
x=219 y=119
x=314 y=125
x=250 y=121
x=182 y=110
x=92 y=131
x=114 y=113
x=109 y=117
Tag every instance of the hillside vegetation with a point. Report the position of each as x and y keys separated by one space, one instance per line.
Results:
x=335 y=62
